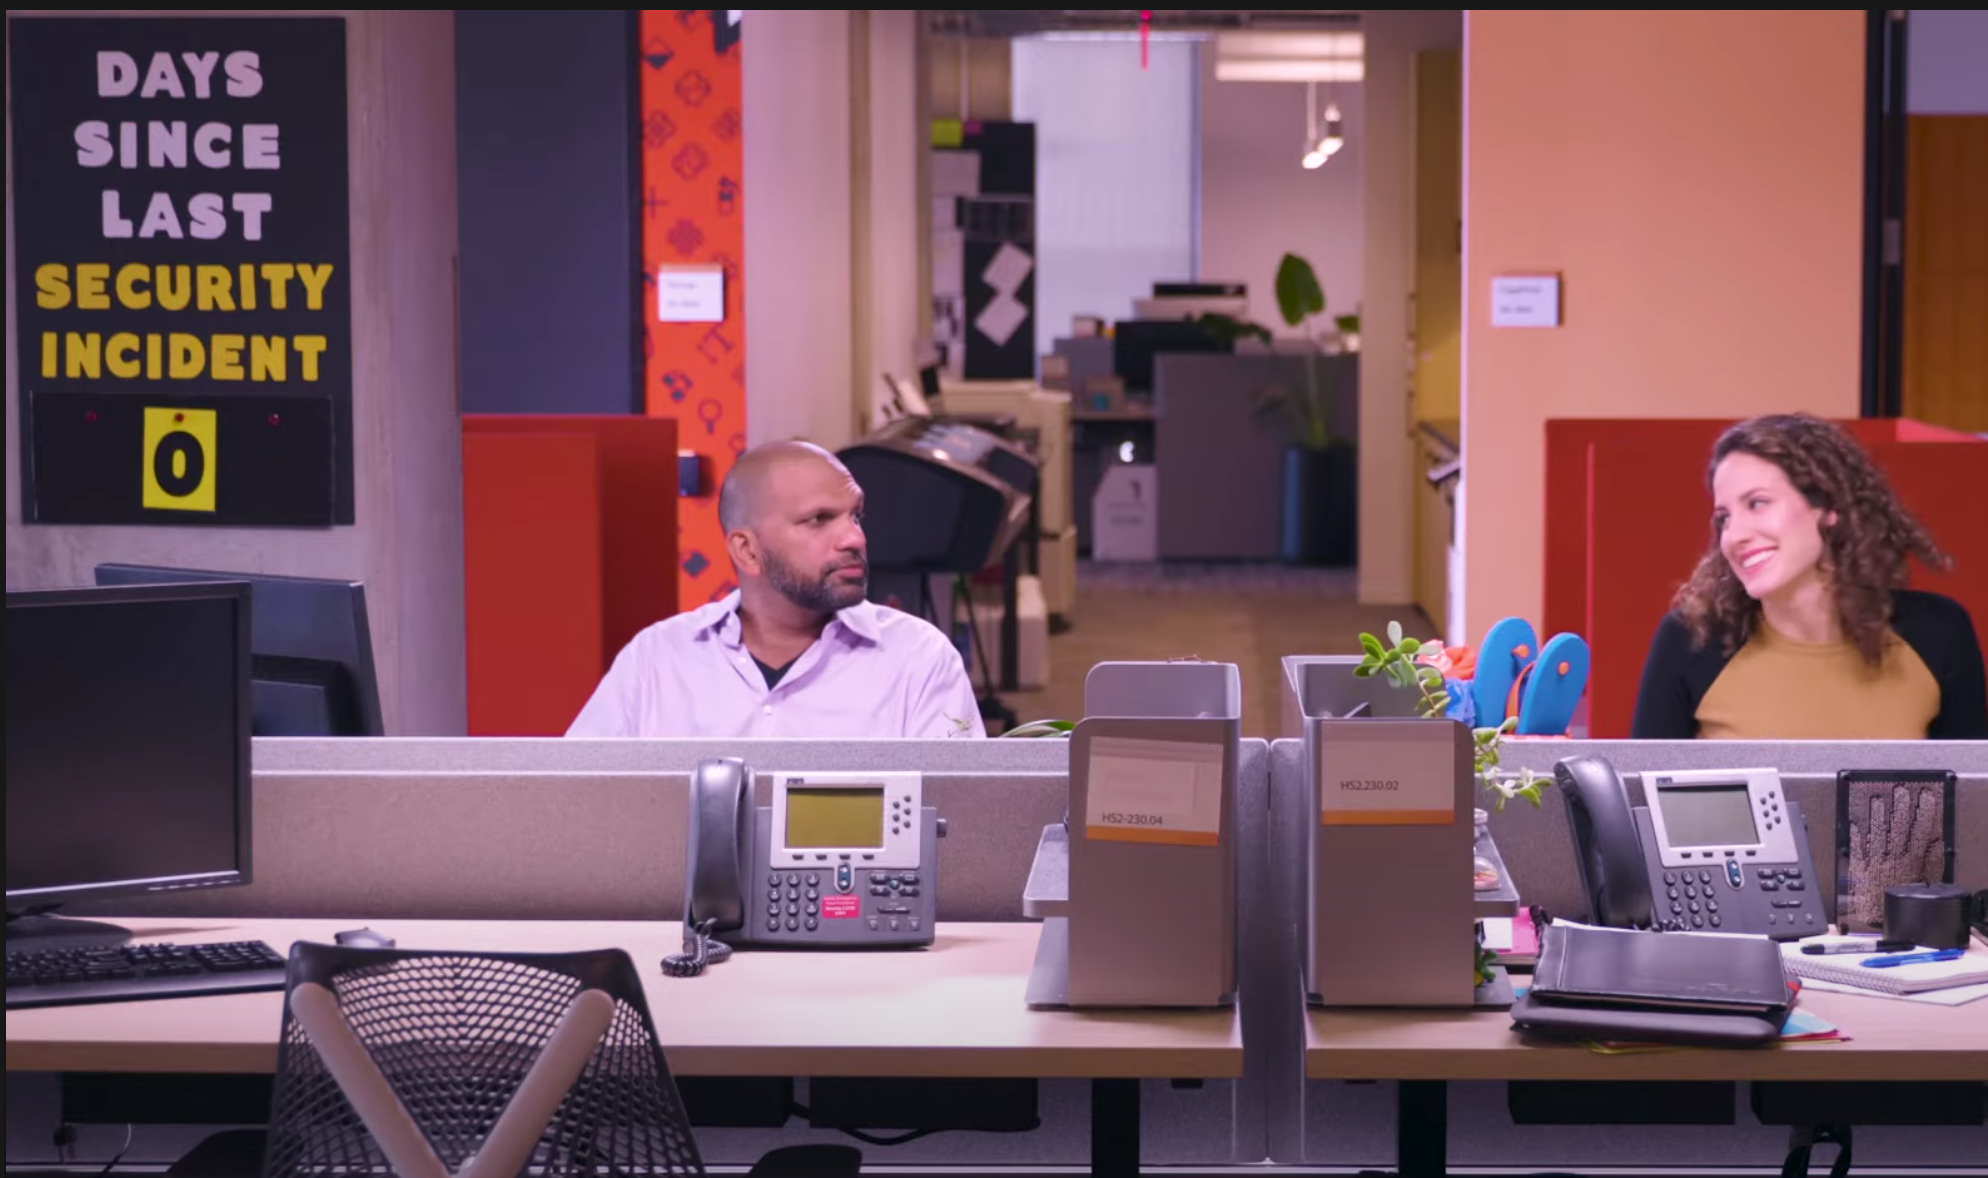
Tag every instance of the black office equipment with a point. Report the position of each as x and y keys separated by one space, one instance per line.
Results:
x=1598 y=1023
x=312 y=648
x=838 y=861
x=940 y=497
x=1642 y=970
x=1893 y=826
x=1135 y=342
x=1162 y=290
x=121 y=973
x=127 y=751
x=1715 y=850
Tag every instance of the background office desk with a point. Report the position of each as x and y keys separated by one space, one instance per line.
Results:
x=1891 y=1040
x=954 y=1010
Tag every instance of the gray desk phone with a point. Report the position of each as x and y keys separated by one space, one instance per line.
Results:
x=838 y=861
x=1716 y=850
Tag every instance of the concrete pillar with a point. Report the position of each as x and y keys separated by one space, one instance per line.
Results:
x=407 y=542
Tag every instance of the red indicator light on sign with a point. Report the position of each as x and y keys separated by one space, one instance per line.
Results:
x=178 y=418
x=90 y=416
x=275 y=419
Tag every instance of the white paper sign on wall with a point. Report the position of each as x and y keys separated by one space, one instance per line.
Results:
x=690 y=294
x=1525 y=300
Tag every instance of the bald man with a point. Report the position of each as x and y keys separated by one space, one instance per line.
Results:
x=797 y=650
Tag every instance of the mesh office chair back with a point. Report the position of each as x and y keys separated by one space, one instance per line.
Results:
x=433 y=1064
x=1892 y=827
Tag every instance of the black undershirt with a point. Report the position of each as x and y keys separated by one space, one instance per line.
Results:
x=774 y=674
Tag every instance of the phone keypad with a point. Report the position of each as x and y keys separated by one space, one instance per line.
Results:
x=794 y=900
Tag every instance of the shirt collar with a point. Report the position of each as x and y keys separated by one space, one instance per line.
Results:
x=721 y=618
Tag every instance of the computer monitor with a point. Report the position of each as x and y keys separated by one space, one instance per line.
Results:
x=313 y=650
x=127 y=750
x=1136 y=341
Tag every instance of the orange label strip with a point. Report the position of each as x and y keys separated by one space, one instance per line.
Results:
x=1386 y=818
x=1148 y=834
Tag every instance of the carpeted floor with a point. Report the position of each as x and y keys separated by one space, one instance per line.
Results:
x=1248 y=614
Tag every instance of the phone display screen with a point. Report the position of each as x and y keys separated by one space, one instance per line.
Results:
x=1708 y=815
x=841 y=817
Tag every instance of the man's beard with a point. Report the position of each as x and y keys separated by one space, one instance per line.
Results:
x=823 y=594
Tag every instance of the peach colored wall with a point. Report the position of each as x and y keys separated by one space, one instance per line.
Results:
x=1697 y=183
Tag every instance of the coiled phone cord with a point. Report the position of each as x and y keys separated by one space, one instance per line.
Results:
x=700 y=949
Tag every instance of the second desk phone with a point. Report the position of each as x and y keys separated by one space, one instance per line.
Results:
x=1716 y=850
x=837 y=861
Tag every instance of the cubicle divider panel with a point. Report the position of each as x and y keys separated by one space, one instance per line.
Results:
x=556 y=846
x=1277 y=928
x=533 y=605
x=567 y=829
x=643 y=755
x=1539 y=851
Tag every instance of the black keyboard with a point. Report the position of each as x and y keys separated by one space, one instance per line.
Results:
x=128 y=973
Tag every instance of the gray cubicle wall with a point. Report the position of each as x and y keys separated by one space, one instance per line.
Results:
x=551 y=829
x=1538 y=846
x=1326 y=1122
x=1220 y=461
x=555 y=829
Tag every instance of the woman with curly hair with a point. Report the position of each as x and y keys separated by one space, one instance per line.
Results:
x=1796 y=624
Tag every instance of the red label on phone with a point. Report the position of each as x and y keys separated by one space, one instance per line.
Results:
x=841 y=907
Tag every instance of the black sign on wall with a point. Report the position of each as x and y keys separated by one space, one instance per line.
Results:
x=183 y=270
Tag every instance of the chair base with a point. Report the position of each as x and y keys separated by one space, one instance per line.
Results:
x=810 y=1161
x=234 y=1153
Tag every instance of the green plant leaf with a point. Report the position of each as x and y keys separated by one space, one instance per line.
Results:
x=1411 y=645
x=1229 y=329
x=1372 y=646
x=1299 y=296
x=1347 y=324
x=1365 y=670
x=1394 y=633
x=1045 y=729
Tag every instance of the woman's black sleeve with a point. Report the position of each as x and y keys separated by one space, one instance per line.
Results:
x=1666 y=707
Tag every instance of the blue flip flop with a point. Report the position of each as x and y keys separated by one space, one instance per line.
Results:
x=1508 y=646
x=1553 y=690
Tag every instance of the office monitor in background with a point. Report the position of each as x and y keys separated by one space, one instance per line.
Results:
x=1135 y=342
x=313 y=651
x=127 y=750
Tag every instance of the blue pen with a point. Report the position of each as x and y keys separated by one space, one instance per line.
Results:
x=1912 y=958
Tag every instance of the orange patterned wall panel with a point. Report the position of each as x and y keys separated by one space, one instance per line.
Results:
x=693 y=213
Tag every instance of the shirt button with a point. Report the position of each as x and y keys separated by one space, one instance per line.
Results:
x=768 y=710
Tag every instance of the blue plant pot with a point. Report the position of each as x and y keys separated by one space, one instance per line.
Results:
x=1321 y=506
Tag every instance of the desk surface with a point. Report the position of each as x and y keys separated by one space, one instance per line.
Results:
x=956 y=1009
x=1890 y=1040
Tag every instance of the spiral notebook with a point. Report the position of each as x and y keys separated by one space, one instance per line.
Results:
x=1843 y=969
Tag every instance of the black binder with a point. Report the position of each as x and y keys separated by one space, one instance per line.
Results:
x=1704 y=1028
x=1624 y=968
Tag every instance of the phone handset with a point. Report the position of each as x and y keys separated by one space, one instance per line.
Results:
x=1607 y=850
x=719 y=844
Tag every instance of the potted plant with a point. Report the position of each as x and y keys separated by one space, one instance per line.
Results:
x=1321 y=472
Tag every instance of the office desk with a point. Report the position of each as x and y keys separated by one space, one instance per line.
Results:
x=1891 y=1040
x=954 y=1010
